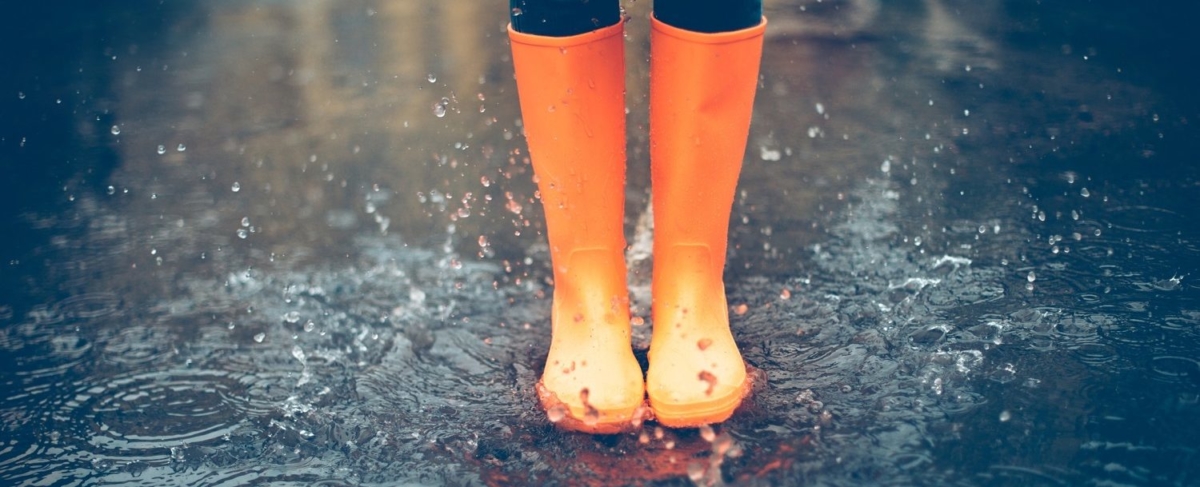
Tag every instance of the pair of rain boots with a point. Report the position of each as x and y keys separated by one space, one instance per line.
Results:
x=571 y=91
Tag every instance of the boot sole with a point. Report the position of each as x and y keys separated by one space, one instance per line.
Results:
x=607 y=423
x=711 y=411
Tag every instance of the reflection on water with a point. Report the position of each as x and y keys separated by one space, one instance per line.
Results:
x=299 y=243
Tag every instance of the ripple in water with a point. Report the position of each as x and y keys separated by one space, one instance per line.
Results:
x=136 y=345
x=1176 y=368
x=88 y=305
x=1146 y=219
x=1096 y=354
x=1134 y=331
x=148 y=414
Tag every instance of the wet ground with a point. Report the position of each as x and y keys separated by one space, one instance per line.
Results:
x=297 y=243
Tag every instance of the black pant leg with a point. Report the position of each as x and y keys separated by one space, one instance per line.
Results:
x=562 y=18
x=709 y=15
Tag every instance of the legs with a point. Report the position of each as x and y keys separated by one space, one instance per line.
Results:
x=570 y=78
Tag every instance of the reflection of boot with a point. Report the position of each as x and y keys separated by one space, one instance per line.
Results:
x=701 y=96
x=573 y=106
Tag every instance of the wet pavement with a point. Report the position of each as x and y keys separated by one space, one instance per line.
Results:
x=298 y=243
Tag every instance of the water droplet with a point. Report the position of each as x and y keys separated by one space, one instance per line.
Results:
x=309 y=326
x=162 y=149
x=431 y=77
x=556 y=413
x=291 y=317
x=769 y=154
x=695 y=471
x=1005 y=416
x=259 y=337
x=21 y=95
x=1084 y=192
x=513 y=206
x=1031 y=277
x=245 y=221
x=111 y=190
x=181 y=147
x=298 y=353
x=116 y=130
x=707 y=433
x=820 y=109
x=242 y=233
x=439 y=110
x=724 y=445
x=236 y=187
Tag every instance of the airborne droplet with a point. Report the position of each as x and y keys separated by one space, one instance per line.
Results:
x=556 y=413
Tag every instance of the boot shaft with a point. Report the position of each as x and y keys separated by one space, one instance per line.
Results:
x=702 y=90
x=572 y=93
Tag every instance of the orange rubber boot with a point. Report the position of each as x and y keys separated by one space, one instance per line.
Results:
x=701 y=97
x=572 y=92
